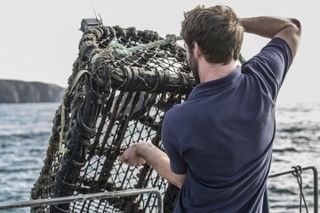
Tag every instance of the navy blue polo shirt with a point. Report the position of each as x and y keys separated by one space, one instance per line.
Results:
x=221 y=136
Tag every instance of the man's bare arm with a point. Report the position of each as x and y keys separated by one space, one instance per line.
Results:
x=288 y=29
x=142 y=152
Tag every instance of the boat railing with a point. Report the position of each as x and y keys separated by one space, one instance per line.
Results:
x=84 y=197
x=296 y=171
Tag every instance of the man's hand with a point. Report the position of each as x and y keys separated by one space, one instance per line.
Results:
x=132 y=157
x=145 y=152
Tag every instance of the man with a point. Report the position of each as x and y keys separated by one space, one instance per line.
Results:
x=219 y=142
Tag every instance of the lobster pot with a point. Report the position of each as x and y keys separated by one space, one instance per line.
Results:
x=123 y=82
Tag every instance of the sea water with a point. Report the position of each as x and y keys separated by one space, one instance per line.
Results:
x=25 y=130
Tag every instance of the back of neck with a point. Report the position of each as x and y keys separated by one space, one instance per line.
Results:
x=210 y=71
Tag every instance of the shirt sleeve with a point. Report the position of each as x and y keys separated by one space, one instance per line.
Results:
x=271 y=65
x=169 y=141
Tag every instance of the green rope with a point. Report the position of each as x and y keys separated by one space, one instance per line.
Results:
x=242 y=59
x=118 y=50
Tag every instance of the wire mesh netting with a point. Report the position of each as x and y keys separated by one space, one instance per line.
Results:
x=123 y=82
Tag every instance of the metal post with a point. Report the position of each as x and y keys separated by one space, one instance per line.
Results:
x=315 y=187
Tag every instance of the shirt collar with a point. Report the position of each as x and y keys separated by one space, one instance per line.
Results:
x=216 y=84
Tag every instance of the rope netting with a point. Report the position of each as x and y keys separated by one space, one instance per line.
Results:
x=123 y=82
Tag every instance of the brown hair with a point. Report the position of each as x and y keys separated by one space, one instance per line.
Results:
x=216 y=30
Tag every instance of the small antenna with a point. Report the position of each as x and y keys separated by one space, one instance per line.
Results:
x=100 y=19
x=94 y=11
x=91 y=22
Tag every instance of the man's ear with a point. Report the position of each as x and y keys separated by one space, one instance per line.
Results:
x=197 y=50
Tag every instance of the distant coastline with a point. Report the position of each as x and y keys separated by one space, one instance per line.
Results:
x=16 y=91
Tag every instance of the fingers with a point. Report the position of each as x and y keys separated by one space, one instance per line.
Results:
x=123 y=158
x=131 y=156
x=132 y=160
x=141 y=162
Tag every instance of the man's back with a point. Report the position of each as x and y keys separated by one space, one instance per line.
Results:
x=218 y=143
x=222 y=136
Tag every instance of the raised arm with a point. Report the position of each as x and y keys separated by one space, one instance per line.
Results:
x=286 y=28
x=142 y=152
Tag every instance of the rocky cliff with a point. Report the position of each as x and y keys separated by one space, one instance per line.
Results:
x=14 y=91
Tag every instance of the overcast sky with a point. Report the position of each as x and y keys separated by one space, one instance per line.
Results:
x=39 y=38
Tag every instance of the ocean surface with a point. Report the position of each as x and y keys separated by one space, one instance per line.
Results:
x=25 y=130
